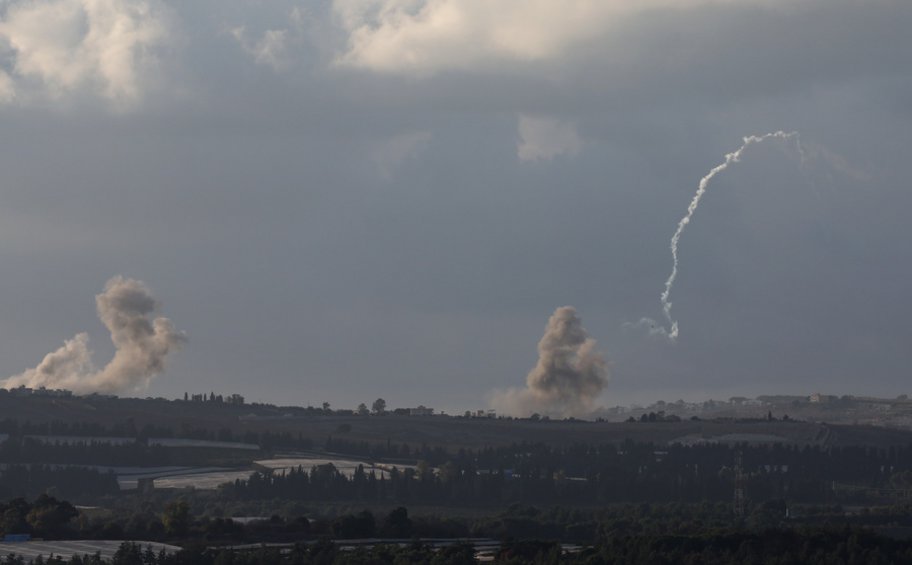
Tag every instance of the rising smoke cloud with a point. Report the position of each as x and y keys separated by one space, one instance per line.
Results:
x=569 y=376
x=142 y=344
x=671 y=332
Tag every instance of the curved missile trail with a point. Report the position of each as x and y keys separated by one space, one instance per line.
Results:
x=672 y=332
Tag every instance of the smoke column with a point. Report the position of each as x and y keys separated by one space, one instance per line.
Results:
x=672 y=332
x=142 y=344
x=569 y=376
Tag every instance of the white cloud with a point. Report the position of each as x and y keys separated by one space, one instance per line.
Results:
x=392 y=152
x=296 y=37
x=424 y=36
x=544 y=138
x=7 y=89
x=104 y=46
x=270 y=50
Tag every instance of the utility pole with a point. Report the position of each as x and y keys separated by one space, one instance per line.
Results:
x=738 y=502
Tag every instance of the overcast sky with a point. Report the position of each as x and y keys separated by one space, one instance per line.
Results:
x=347 y=199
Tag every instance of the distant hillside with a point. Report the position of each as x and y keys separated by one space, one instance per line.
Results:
x=131 y=416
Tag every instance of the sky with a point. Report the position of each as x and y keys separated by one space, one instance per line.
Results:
x=350 y=199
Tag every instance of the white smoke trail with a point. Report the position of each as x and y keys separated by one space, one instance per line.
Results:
x=142 y=345
x=672 y=331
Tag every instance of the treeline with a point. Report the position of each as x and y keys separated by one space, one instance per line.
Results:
x=31 y=451
x=638 y=533
x=60 y=428
x=45 y=517
x=21 y=430
x=521 y=473
x=177 y=522
x=808 y=547
x=581 y=474
x=390 y=451
x=76 y=483
x=814 y=547
x=28 y=450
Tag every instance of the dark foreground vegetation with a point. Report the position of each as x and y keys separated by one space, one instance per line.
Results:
x=818 y=547
x=820 y=495
x=641 y=533
x=773 y=547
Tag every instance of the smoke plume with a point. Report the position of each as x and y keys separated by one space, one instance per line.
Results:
x=142 y=344
x=672 y=331
x=569 y=376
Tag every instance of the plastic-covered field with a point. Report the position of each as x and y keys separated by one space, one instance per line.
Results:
x=345 y=466
x=179 y=477
x=29 y=550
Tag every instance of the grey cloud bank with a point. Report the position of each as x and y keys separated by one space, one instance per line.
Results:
x=327 y=228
